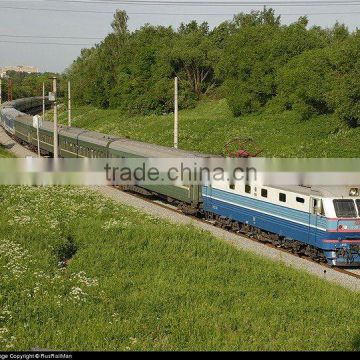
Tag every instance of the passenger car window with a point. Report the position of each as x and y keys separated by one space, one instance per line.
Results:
x=300 y=200
x=282 y=197
x=248 y=189
x=345 y=208
x=264 y=193
x=232 y=186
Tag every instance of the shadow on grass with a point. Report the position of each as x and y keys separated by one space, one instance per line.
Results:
x=356 y=343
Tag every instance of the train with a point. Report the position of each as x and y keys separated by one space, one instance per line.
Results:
x=322 y=223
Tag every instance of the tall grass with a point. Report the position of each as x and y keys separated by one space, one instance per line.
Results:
x=133 y=282
x=209 y=126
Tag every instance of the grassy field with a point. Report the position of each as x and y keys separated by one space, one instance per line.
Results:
x=134 y=282
x=209 y=126
x=4 y=153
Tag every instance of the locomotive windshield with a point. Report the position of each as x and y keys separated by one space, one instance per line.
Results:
x=345 y=208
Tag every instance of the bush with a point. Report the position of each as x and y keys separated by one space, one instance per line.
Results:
x=241 y=100
x=303 y=84
x=345 y=93
x=256 y=53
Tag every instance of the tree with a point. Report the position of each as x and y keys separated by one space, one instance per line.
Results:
x=28 y=85
x=256 y=18
x=245 y=64
x=345 y=90
x=253 y=59
x=144 y=75
x=304 y=83
x=193 y=57
x=120 y=22
x=255 y=52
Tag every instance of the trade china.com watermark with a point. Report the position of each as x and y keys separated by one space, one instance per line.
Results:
x=183 y=174
x=179 y=171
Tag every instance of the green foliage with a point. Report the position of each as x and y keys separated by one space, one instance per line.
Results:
x=119 y=24
x=134 y=71
x=252 y=61
x=325 y=80
x=304 y=82
x=29 y=85
x=193 y=56
x=260 y=47
x=345 y=91
x=139 y=283
x=143 y=78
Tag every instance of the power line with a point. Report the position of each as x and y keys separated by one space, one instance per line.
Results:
x=169 y=13
x=56 y=10
x=42 y=43
x=51 y=37
x=214 y=3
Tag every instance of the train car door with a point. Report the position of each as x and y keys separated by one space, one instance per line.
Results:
x=316 y=212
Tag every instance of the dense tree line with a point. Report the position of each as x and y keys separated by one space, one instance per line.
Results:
x=254 y=61
x=29 y=85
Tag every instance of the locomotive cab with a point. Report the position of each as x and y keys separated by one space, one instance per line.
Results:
x=342 y=239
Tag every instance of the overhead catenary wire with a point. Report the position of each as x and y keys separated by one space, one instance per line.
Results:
x=51 y=37
x=163 y=2
x=170 y=13
x=213 y=3
x=43 y=43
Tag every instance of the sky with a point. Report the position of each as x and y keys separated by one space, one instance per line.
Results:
x=51 y=40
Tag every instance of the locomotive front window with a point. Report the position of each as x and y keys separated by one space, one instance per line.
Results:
x=345 y=208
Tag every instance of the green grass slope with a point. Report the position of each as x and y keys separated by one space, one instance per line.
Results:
x=209 y=126
x=137 y=283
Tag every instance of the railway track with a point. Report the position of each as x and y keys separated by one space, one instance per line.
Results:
x=352 y=273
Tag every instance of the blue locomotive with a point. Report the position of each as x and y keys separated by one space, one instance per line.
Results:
x=320 y=222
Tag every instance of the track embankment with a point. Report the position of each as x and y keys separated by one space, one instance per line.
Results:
x=12 y=146
x=157 y=209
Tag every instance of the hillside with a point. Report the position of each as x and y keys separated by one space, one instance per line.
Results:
x=137 y=283
x=209 y=126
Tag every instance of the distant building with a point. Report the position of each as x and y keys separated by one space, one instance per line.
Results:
x=19 y=69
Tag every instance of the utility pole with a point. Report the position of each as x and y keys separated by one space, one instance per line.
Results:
x=0 y=90
x=37 y=119
x=10 y=90
x=69 y=103
x=38 y=138
x=43 y=101
x=56 y=148
x=176 y=115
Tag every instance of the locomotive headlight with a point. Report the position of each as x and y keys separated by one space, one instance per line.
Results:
x=354 y=192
